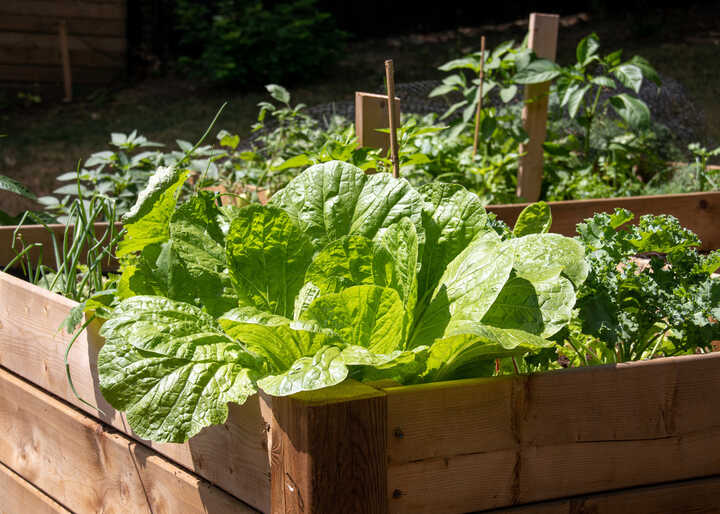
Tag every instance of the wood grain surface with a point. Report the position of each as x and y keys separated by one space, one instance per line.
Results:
x=88 y=467
x=233 y=455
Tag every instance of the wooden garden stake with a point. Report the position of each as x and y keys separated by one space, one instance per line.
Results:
x=480 y=95
x=390 y=76
x=543 y=41
x=65 y=57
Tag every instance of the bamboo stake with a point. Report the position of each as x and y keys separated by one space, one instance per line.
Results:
x=390 y=76
x=480 y=95
x=65 y=56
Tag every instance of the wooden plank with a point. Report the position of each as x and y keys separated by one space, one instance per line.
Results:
x=699 y=496
x=53 y=74
x=233 y=455
x=64 y=9
x=542 y=39
x=51 y=57
x=371 y=114
x=328 y=451
x=486 y=443
x=89 y=468
x=697 y=211
x=76 y=26
x=39 y=234
x=18 y=496
x=65 y=58
x=114 y=46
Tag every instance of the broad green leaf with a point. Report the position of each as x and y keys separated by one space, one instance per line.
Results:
x=13 y=186
x=466 y=290
x=148 y=220
x=538 y=307
x=323 y=369
x=534 y=219
x=346 y=262
x=647 y=70
x=399 y=365
x=575 y=99
x=453 y=218
x=540 y=257
x=541 y=70
x=508 y=93
x=170 y=368
x=587 y=48
x=293 y=162
x=603 y=81
x=276 y=339
x=334 y=199
x=464 y=62
x=399 y=245
x=469 y=349
x=442 y=89
x=630 y=76
x=633 y=110
x=369 y=316
x=305 y=297
x=279 y=93
x=267 y=255
x=199 y=244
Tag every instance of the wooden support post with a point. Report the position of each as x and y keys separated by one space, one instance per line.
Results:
x=390 y=78
x=480 y=96
x=65 y=57
x=329 y=451
x=543 y=41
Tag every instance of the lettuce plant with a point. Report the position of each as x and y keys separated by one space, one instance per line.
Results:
x=343 y=275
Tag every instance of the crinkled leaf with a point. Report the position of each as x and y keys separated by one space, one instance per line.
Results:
x=369 y=316
x=335 y=199
x=543 y=256
x=469 y=349
x=305 y=297
x=170 y=368
x=277 y=339
x=536 y=218
x=148 y=221
x=453 y=218
x=467 y=288
x=538 y=307
x=324 y=369
x=267 y=255
x=199 y=244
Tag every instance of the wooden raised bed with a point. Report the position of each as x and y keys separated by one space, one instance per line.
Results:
x=639 y=437
x=700 y=212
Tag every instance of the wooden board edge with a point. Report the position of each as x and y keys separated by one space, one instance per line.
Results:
x=18 y=496
x=693 y=495
x=125 y=462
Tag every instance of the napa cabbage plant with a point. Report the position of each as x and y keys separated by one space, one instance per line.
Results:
x=344 y=275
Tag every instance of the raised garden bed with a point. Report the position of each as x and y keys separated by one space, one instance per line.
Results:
x=637 y=437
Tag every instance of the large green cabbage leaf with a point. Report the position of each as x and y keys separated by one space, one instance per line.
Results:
x=344 y=275
x=171 y=368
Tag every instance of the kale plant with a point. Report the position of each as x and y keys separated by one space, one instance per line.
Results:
x=667 y=304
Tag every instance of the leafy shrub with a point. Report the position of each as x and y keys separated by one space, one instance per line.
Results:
x=246 y=42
